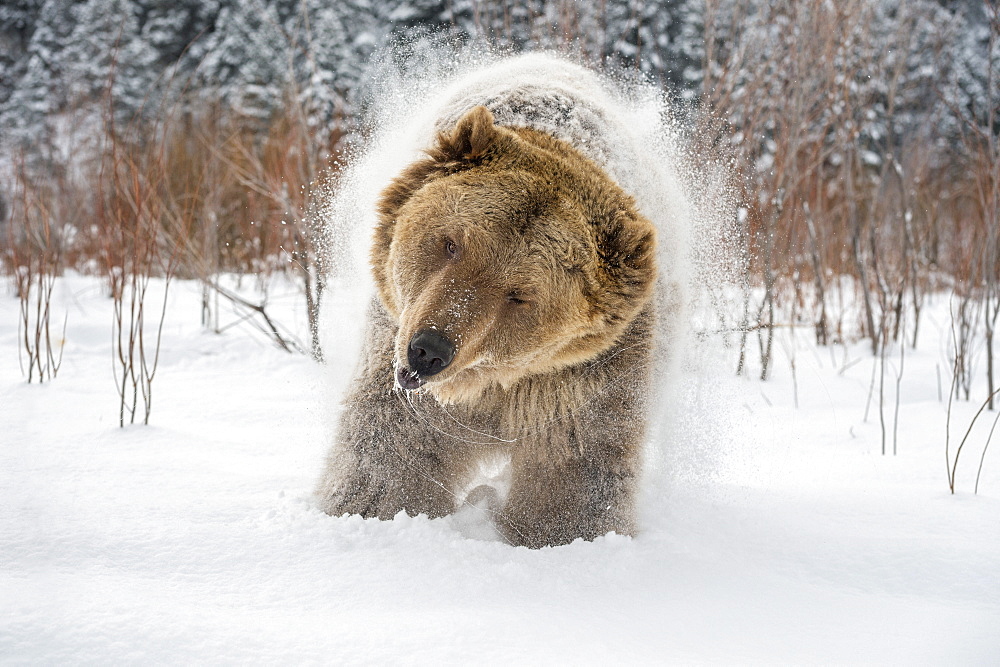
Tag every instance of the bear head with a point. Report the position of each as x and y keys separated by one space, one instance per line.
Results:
x=506 y=253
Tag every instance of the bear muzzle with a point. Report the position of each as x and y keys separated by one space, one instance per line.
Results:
x=428 y=354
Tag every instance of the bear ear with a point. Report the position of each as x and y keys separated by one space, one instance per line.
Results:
x=471 y=138
x=628 y=256
x=636 y=241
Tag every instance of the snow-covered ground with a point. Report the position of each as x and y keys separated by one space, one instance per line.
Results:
x=771 y=534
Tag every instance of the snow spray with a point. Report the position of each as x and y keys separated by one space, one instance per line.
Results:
x=624 y=123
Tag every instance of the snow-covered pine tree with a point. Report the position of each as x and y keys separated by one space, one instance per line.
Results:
x=247 y=61
x=401 y=16
x=332 y=44
x=106 y=49
x=170 y=27
x=972 y=99
x=27 y=115
x=641 y=34
x=17 y=23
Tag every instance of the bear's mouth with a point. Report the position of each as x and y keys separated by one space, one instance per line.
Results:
x=407 y=379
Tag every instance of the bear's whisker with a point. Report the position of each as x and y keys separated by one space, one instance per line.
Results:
x=597 y=363
x=482 y=433
x=491 y=515
x=422 y=418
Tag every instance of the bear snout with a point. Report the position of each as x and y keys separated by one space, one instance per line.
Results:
x=429 y=353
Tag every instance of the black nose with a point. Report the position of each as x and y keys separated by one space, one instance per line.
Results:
x=429 y=352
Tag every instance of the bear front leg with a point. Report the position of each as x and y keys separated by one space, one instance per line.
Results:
x=577 y=497
x=384 y=463
x=385 y=458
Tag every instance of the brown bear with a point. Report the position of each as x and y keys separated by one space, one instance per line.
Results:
x=508 y=351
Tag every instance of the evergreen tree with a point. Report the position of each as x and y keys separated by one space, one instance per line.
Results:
x=29 y=113
x=171 y=26
x=17 y=23
x=333 y=42
x=106 y=49
x=641 y=34
x=39 y=91
x=972 y=97
x=248 y=60
x=401 y=16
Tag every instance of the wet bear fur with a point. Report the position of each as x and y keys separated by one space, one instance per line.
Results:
x=535 y=264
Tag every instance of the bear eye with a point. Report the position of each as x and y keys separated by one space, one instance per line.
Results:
x=451 y=248
x=516 y=298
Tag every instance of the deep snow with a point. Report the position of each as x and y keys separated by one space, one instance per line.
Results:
x=770 y=533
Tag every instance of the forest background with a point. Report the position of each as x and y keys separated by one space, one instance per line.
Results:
x=152 y=139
